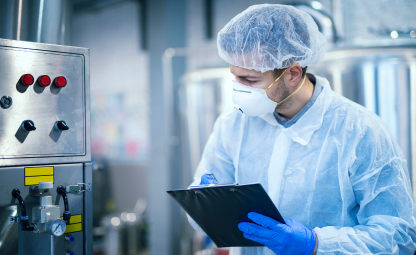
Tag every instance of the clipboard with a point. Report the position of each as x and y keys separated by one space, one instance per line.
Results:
x=220 y=208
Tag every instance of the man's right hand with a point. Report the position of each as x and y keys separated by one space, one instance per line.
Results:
x=208 y=179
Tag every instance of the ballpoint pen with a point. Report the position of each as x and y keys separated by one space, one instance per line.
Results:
x=214 y=177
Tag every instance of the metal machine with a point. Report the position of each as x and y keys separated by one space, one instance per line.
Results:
x=45 y=152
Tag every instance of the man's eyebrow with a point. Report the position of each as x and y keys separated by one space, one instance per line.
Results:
x=245 y=76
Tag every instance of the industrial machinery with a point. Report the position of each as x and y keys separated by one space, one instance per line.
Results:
x=45 y=152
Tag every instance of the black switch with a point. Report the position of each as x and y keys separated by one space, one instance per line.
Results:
x=28 y=125
x=61 y=126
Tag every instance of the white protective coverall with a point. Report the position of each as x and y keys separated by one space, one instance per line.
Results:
x=337 y=170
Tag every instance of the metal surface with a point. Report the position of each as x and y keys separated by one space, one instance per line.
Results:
x=44 y=106
x=79 y=188
x=65 y=174
x=36 y=20
x=87 y=174
x=8 y=230
x=44 y=148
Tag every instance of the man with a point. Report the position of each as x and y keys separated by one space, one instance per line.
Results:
x=330 y=166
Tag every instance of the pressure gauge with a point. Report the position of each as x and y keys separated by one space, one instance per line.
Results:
x=56 y=227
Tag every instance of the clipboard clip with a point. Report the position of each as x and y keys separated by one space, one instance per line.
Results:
x=212 y=185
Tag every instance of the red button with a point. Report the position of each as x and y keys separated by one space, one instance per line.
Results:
x=44 y=80
x=27 y=79
x=60 y=81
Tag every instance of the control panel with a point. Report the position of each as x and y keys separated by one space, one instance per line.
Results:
x=45 y=152
x=42 y=104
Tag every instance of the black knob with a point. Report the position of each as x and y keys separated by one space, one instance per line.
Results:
x=6 y=102
x=61 y=126
x=28 y=125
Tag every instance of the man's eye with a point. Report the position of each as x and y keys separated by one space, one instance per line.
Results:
x=251 y=81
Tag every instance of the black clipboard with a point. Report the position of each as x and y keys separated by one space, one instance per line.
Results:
x=219 y=209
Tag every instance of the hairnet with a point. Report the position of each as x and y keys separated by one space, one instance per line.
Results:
x=271 y=36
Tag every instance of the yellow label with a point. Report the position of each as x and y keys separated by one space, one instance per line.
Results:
x=36 y=179
x=36 y=171
x=73 y=228
x=75 y=219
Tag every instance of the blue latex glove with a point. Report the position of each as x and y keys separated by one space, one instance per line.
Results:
x=208 y=179
x=292 y=238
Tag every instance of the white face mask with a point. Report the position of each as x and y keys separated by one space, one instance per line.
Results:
x=253 y=101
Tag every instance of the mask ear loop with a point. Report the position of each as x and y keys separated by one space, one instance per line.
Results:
x=273 y=82
x=292 y=93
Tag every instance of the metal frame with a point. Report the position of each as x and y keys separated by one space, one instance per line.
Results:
x=87 y=228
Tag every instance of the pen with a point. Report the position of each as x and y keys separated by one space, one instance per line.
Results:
x=214 y=177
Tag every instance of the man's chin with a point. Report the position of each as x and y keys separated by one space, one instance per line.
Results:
x=281 y=108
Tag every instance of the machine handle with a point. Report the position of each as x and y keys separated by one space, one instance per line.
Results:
x=24 y=219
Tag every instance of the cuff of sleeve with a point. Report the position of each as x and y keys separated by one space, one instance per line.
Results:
x=317 y=230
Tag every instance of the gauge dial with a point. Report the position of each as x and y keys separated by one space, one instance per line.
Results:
x=57 y=227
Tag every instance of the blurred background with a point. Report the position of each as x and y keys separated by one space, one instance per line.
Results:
x=158 y=84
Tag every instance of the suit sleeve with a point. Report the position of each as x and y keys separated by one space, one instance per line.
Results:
x=386 y=213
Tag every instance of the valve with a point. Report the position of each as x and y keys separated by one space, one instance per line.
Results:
x=69 y=239
x=46 y=216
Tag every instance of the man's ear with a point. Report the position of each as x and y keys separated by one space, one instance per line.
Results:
x=295 y=72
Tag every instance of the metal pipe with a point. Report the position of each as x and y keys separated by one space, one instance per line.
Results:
x=39 y=31
x=413 y=125
x=37 y=21
x=19 y=20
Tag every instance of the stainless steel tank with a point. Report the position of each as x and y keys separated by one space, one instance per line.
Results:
x=383 y=79
x=36 y=21
x=8 y=230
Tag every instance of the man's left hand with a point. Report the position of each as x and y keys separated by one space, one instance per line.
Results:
x=289 y=238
